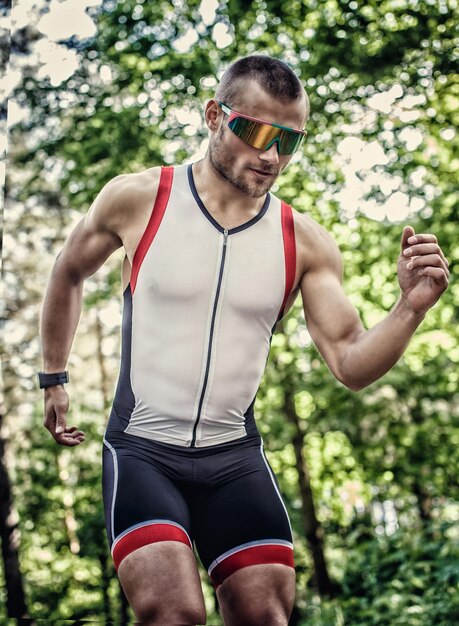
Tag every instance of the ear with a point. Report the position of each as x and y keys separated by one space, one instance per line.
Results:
x=213 y=116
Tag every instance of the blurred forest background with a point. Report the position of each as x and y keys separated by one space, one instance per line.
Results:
x=370 y=479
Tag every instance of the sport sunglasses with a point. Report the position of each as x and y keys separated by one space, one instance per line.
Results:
x=262 y=135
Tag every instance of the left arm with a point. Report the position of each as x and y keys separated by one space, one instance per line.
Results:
x=358 y=357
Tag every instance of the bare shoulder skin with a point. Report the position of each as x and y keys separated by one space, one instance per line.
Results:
x=117 y=217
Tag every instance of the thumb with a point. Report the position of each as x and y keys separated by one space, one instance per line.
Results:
x=61 y=422
x=408 y=231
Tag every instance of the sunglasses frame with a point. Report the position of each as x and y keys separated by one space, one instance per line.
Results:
x=232 y=115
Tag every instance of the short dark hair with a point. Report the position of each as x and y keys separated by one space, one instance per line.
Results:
x=275 y=76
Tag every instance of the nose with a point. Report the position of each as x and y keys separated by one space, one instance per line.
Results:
x=271 y=155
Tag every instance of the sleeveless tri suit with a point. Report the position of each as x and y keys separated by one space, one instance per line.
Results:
x=183 y=460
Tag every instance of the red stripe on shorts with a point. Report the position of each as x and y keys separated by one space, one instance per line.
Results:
x=255 y=555
x=143 y=536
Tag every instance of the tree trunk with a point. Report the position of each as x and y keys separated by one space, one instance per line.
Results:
x=62 y=461
x=424 y=500
x=124 y=608
x=103 y=560
x=104 y=382
x=15 y=599
x=312 y=527
x=104 y=387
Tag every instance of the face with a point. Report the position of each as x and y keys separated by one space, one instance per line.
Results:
x=252 y=171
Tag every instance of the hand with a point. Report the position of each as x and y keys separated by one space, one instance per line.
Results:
x=56 y=407
x=422 y=270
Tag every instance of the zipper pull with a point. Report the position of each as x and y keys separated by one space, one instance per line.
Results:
x=225 y=237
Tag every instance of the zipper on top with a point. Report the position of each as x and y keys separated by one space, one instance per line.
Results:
x=211 y=336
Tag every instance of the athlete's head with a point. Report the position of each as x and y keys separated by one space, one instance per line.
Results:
x=249 y=154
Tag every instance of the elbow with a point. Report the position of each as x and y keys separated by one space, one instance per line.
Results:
x=354 y=385
x=353 y=382
x=351 y=371
x=64 y=272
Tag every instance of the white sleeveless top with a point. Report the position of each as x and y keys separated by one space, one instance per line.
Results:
x=199 y=314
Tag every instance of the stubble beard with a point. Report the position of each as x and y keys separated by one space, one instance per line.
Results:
x=223 y=164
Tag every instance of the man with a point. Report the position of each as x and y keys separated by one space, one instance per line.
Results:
x=208 y=272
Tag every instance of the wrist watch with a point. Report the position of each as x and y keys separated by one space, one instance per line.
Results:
x=50 y=380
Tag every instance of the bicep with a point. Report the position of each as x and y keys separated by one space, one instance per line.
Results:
x=96 y=236
x=86 y=249
x=332 y=320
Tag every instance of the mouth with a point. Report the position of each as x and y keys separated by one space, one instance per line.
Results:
x=263 y=174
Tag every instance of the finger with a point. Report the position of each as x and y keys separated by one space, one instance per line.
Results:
x=433 y=260
x=436 y=273
x=422 y=238
x=61 y=423
x=73 y=438
x=65 y=440
x=408 y=231
x=423 y=251
x=50 y=419
x=73 y=430
x=424 y=248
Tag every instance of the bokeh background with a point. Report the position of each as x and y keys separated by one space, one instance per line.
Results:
x=97 y=88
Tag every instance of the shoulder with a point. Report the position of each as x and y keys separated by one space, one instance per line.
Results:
x=127 y=186
x=316 y=248
x=123 y=199
x=126 y=191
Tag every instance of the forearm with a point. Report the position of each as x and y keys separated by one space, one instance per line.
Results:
x=373 y=352
x=61 y=312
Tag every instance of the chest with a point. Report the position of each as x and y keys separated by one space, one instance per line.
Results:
x=190 y=261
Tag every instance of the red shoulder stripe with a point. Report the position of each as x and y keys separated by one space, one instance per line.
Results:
x=159 y=208
x=288 y=233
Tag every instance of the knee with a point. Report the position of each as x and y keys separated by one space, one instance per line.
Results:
x=258 y=598
x=151 y=613
x=266 y=615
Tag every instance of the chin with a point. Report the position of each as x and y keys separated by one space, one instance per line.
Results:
x=260 y=191
x=251 y=190
x=256 y=191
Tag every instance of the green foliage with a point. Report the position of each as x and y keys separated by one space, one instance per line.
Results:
x=135 y=101
x=405 y=579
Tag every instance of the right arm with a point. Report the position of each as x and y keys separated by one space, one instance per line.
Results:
x=92 y=241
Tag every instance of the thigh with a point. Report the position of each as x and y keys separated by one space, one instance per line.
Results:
x=241 y=520
x=162 y=584
x=143 y=504
x=258 y=595
x=149 y=531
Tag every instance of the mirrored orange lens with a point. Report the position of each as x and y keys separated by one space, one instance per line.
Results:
x=262 y=136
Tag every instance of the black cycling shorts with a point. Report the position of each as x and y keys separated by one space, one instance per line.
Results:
x=223 y=499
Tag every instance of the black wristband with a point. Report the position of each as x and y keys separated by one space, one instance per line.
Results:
x=49 y=380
